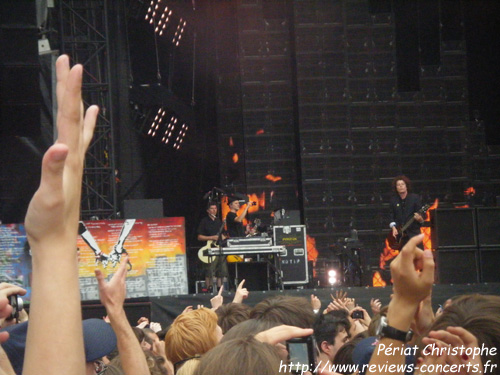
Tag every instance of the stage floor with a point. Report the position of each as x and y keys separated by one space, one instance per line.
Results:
x=165 y=309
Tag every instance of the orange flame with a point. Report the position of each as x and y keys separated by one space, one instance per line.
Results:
x=235 y=158
x=312 y=252
x=427 y=242
x=259 y=132
x=272 y=178
x=464 y=206
x=377 y=280
x=387 y=254
x=231 y=143
x=470 y=191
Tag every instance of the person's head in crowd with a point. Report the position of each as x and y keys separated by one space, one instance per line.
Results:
x=231 y=314
x=156 y=363
x=189 y=367
x=478 y=314
x=249 y=327
x=241 y=356
x=145 y=340
x=150 y=333
x=161 y=334
x=292 y=311
x=353 y=328
x=373 y=327
x=98 y=336
x=331 y=333
x=344 y=354
x=191 y=334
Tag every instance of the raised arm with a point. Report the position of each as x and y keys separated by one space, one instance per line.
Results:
x=51 y=225
x=413 y=275
x=112 y=296
x=240 y=218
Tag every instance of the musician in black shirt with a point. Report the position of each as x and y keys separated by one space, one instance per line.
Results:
x=234 y=222
x=208 y=230
x=404 y=206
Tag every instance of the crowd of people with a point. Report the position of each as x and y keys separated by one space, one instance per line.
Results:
x=406 y=336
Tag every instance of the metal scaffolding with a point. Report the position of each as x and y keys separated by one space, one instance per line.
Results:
x=84 y=37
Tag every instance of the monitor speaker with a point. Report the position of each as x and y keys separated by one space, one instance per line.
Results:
x=453 y=228
x=458 y=266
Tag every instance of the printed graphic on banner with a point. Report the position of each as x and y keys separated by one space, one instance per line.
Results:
x=15 y=258
x=156 y=250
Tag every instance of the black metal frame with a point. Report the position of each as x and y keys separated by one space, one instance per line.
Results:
x=84 y=37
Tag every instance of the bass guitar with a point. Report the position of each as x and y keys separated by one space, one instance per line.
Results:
x=395 y=243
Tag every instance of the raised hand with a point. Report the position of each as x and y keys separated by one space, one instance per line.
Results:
x=375 y=305
x=315 y=302
x=217 y=300
x=113 y=293
x=54 y=210
x=52 y=227
x=241 y=293
x=413 y=272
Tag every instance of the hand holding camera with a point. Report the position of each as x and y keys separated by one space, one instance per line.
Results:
x=10 y=302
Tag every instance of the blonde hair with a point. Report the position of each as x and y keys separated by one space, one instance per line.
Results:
x=189 y=367
x=191 y=334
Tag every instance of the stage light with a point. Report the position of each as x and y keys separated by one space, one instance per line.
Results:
x=332 y=276
x=158 y=16
x=178 y=32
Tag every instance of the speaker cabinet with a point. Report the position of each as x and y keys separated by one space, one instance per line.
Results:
x=488 y=226
x=458 y=266
x=453 y=228
x=489 y=260
x=254 y=273
x=143 y=209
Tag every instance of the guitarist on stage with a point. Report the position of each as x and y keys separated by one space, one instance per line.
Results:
x=404 y=207
x=207 y=231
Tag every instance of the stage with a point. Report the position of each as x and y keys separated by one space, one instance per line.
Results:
x=165 y=309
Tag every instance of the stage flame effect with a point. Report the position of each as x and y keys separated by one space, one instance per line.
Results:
x=273 y=178
x=389 y=253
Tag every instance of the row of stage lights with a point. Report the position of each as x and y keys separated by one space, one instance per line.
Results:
x=160 y=18
x=169 y=132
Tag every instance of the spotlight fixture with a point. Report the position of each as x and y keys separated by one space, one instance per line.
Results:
x=158 y=16
x=332 y=277
x=171 y=132
x=155 y=124
x=178 y=33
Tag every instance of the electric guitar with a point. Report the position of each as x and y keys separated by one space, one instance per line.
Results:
x=395 y=243
x=212 y=245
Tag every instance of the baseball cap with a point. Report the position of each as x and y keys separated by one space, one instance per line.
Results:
x=98 y=336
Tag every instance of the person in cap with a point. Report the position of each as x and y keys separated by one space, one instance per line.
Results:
x=98 y=337
x=234 y=222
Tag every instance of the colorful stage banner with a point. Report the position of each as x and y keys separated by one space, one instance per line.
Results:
x=156 y=251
